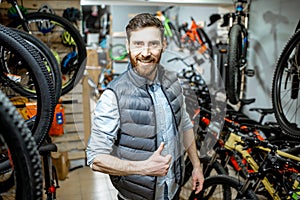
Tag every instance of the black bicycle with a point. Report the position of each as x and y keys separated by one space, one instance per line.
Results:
x=285 y=86
x=20 y=164
x=237 y=51
x=22 y=67
x=61 y=36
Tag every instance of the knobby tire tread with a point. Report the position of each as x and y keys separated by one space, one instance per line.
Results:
x=24 y=153
x=234 y=55
x=44 y=91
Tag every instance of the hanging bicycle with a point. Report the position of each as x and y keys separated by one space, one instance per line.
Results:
x=237 y=51
x=285 y=86
x=61 y=37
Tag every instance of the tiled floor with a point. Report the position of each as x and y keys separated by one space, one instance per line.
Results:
x=85 y=184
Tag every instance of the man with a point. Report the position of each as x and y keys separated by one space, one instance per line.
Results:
x=140 y=123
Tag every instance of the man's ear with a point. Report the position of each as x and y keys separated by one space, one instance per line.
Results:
x=127 y=45
x=164 y=44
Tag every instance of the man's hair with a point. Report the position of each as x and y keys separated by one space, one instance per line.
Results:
x=144 y=20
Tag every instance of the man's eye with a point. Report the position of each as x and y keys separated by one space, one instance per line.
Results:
x=154 y=44
x=138 y=44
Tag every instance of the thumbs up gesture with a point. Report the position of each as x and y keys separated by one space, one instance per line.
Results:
x=156 y=164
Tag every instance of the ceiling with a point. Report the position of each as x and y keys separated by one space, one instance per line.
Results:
x=156 y=2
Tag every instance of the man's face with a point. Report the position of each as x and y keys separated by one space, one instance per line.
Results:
x=145 y=48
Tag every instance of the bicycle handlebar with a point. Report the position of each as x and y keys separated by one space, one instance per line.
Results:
x=172 y=59
x=168 y=8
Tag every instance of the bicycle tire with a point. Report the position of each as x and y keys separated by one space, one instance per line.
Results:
x=48 y=58
x=175 y=35
x=118 y=52
x=282 y=98
x=233 y=73
x=16 y=137
x=206 y=40
x=77 y=65
x=227 y=182
x=206 y=168
x=40 y=77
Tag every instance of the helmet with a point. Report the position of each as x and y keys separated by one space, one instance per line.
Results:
x=47 y=9
x=72 y=14
x=67 y=39
x=12 y=12
x=45 y=26
x=68 y=62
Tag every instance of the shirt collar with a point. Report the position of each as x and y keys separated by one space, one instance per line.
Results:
x=142 y=81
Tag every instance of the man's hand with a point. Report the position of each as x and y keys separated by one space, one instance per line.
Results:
x=157 y=165
x=198 y=179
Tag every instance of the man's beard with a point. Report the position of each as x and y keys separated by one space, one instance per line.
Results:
x=153 y=64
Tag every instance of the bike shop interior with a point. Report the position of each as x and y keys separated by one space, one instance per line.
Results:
x=101 y=23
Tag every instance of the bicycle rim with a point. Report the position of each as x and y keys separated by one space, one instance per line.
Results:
x=72 y=52
x=49 y=60
x=285 y=88
x=118 y=52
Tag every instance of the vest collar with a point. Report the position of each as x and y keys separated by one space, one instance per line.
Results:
x=141 y=81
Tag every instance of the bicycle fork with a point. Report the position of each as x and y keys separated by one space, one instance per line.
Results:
x=50 y=175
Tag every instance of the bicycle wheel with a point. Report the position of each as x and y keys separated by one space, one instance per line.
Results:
x=285 y=87
x=49 y=60
x=62 y=37
x=20 y=67
x=206 y=41
x=223 y=187
x=18 y=145
x=118 y=52
x=208 y=168
x=175 y=36
x=234 y=70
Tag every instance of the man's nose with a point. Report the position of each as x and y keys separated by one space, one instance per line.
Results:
x=145 y=51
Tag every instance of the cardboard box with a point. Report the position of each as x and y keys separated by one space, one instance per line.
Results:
x=61 y=162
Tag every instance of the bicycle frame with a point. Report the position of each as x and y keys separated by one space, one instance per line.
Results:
x=160 y=15
x=14 y=3
x=193 y=35
x=234 y=143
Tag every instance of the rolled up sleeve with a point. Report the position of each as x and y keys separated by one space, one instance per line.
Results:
x=105 y=125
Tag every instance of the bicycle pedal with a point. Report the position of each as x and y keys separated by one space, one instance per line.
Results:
x=250 y=72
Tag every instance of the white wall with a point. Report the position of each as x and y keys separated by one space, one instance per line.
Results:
x=271 y=24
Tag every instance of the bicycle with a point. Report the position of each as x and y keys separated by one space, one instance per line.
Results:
x=18 y=58
x=275 y=173
x=285 y=86
x=22 y=67
x=51 y=183
x=49 y=60
x=237 y=51
x=196 y=39
x=18 y=151
x=171 y=33
x=61 y=36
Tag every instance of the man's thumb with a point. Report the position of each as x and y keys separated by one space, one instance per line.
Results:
x=160 y=148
